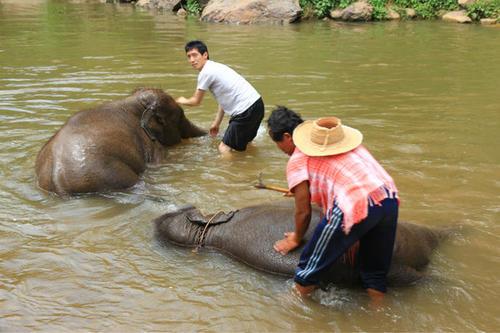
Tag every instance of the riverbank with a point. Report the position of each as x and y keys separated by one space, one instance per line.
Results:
x=486 y=12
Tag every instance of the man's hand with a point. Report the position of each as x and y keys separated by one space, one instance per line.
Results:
x=194 y=100
x=287 y=244
x=214 y=130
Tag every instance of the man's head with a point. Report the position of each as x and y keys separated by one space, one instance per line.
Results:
x=281 y=124
x=197 y=54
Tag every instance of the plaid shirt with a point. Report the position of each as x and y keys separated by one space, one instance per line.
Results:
x=351 y=180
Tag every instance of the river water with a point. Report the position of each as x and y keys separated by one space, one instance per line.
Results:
x=425 y=95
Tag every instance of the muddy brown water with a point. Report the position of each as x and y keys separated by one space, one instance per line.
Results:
x=425 y=95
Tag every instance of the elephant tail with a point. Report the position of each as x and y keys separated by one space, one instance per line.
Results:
x=44 y=167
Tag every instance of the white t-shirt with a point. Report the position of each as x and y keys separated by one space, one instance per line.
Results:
x=233 y=93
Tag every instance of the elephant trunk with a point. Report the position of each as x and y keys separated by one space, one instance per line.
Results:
x=188 y=129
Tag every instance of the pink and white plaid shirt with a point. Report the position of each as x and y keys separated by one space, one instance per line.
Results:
x=350 y=180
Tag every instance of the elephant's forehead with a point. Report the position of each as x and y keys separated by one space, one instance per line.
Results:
x=146 y=96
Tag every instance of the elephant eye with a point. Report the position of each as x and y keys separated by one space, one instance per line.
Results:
x=160 y=120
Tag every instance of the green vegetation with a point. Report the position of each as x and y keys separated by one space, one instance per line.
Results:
x=379 y=9
x=483 y=9
x=193 y=7
x=425 y=9
x=321 y=8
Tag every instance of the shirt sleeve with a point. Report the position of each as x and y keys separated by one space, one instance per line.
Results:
x=205 y=80
x=296 y=169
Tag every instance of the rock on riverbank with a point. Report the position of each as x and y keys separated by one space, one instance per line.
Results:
x=251 y=11
x=236 y=11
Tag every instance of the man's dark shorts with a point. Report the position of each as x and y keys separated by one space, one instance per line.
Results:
x=243 y=127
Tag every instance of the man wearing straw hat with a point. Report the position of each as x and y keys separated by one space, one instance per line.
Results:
x=329 y=166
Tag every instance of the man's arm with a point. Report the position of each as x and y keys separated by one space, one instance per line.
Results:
x=302 y=219
x=194 y=100
x=214 y=128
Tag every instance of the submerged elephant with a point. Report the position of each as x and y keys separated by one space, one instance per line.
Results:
x=248 y=235
x=108 y=147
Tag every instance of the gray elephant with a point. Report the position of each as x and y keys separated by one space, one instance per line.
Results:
x=108 y=147
x=248 y=235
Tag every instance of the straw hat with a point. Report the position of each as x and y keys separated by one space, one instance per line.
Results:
x=326 y=136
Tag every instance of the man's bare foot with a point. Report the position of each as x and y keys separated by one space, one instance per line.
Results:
x=376 y=298
x=305 y=291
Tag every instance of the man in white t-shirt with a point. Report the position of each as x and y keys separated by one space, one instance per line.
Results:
x=233 y=93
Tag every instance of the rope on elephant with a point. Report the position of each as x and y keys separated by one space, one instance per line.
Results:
x=201 y=239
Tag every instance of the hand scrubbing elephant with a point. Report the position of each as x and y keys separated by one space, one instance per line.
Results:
x=248 y=235
x=108 y=147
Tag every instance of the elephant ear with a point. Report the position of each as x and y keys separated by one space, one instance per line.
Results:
x=195 y=216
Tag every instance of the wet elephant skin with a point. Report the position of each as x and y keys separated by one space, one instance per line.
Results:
x=108 y=147
x=251 y=232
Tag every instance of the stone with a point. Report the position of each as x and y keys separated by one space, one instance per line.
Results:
x=358 y=11
x=167 y=5
x=458 y=16
x=488 y=21
x=392 y=14
x=182 y=12
x=441 y=12
x=252 y=11
x=410 y=13
x=336 y=14
x=465 y=3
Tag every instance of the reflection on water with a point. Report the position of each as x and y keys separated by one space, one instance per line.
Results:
x=425 y=95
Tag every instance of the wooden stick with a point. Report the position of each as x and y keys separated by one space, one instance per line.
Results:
x=272 y=188
x=260 y=184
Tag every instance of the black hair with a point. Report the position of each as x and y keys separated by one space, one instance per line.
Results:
x=196 y=44
x=282 y=120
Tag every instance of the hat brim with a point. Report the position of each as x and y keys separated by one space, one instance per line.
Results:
x=302 y=139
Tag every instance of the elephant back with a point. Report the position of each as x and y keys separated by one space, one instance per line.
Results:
x=414 y=245
x=250 y=235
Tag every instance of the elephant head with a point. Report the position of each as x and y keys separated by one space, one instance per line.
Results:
x=188 y=227
x=163 y=119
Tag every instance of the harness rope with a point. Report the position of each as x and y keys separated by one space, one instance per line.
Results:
x=201 y=238
x=145 y=117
